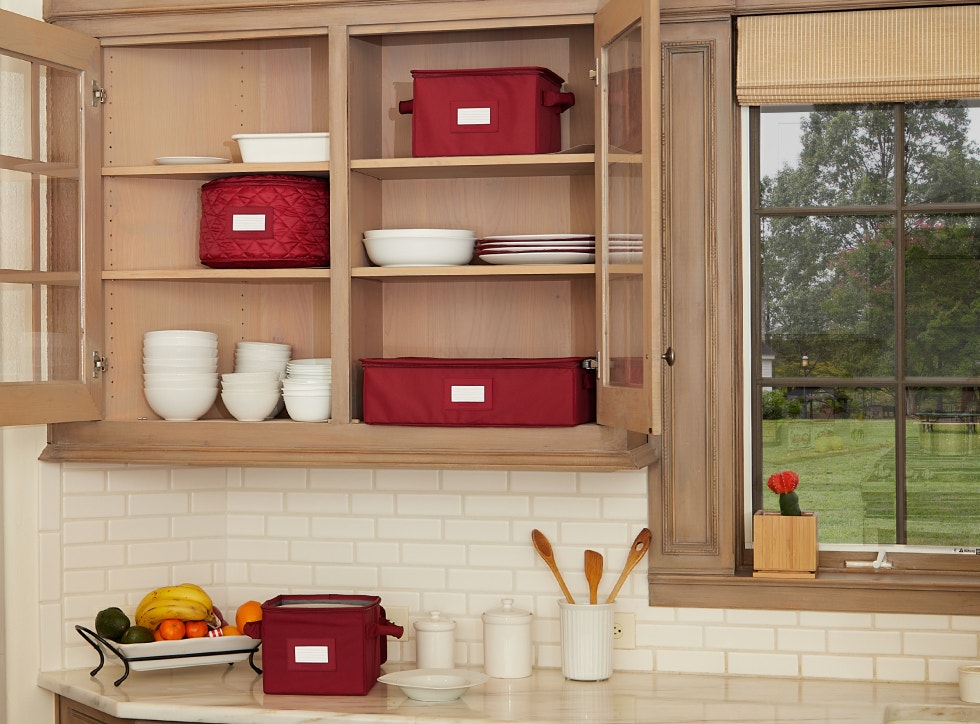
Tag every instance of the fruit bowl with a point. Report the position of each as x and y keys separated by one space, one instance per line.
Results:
x=173 y=654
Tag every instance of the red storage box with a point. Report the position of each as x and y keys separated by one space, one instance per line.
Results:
x=265 y=221
x=541 y=392
x=486 y=111
x=323 y=643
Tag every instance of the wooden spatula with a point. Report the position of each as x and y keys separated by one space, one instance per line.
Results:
x=593 y=574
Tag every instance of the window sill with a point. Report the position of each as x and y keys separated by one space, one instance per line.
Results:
x=883 y=592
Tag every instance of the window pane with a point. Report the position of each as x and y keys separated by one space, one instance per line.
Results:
x=942 y=152
x=828 y=293
x=16 y=92
x=943 y=467
x=942 y=309
x=841 y=442
x=827 y=156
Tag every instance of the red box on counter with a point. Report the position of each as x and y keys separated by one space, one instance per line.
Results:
x=323 y=643
x=534 y=392
x=486 y=111
x=265 y=221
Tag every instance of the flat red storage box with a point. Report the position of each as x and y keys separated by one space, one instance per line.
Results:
x=486 y=111
x=265 y=221
x=323 y=643
x=538 y=392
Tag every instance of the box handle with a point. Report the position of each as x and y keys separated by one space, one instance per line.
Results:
x=562 y=101
x=406 y=107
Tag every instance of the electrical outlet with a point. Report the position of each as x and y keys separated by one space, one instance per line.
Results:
x=398 y=615
x=624 y=630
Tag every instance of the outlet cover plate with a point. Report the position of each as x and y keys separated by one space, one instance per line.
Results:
x=398 y=615
x=624 y=630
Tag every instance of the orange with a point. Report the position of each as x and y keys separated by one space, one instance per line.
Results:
x=230 y=631
x=247 y=613
x=171 y=629
x=156 y=634
x=195 y=629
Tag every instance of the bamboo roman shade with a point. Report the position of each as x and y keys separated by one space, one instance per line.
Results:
x=904 y=54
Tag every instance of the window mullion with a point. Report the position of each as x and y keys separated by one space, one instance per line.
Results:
x=901 y=389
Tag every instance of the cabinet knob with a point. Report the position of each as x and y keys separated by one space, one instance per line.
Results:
x=668 y=357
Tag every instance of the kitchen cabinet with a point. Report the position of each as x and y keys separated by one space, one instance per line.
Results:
x=71 y=712
x=180 y=79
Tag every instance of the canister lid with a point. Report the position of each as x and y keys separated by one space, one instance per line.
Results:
x=507 y=614
x=435 y=622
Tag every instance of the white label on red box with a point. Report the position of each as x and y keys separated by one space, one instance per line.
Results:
x=248 y=222
x=467 y=393
x=311 y=654
x=472 y=116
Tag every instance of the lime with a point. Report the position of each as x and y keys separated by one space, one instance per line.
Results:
x=111 y=623
x=137 y=635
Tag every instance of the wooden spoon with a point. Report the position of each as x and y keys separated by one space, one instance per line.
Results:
x=640 y=546
x=593 y=574
x=543 y=546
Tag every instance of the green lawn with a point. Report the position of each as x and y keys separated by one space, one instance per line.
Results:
x=847 y=476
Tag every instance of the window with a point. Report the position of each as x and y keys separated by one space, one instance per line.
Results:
x=865 y=365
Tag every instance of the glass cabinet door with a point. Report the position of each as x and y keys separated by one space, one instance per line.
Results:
x=628 y=239
x=50 y=216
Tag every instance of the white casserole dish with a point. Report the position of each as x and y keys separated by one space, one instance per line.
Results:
x=283 y=147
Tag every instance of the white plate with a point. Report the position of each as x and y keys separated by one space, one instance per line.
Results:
x=188 y=652
x=186 y=160
x=544 y=257
x=518 y=245
x=504 y=249
x=434 y=684
x=540 y=237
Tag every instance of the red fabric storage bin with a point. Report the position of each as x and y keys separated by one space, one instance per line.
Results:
x=486 y=111
x=538 y=392
x=316 y=644
x=265 y=221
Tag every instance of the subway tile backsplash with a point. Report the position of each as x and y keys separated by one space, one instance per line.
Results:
x=453 y=541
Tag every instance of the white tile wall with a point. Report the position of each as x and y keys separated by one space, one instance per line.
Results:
x=454 y=541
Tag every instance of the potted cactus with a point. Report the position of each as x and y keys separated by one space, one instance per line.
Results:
x=785 y=542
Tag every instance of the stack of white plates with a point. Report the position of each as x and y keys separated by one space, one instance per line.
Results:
x=537 y=249
x=308 y=389
x=625 y=248
x=263 y=357
x=420 y=247
x=180 y=372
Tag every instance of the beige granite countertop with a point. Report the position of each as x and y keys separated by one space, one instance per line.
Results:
x=233 y=695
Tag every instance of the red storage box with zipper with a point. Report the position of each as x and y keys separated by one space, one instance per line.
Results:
x=265 y=221
x=322 y=643
x=534 y=392
x=486 y=111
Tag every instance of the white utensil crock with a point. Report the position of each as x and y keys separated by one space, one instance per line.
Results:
x=586 y=640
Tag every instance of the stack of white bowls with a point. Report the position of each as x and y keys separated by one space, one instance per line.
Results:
x=251 y=396
x=180 y=372
x=420 y=247
x=268 y=357
x=307 y=389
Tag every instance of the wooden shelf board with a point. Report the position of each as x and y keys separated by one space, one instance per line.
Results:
x=474 y=270
x=213 y=170
x=550 y=164
x=210 y=275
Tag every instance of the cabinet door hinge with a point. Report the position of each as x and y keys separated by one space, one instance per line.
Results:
x=99 y=94
x=594 y=72
x=591 y=364
x=98 y=364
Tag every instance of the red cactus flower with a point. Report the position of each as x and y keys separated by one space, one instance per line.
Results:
x=784 y=482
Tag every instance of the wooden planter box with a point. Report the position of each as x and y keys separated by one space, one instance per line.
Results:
x=785 y=546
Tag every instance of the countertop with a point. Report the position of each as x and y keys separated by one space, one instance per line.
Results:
x=233 y=695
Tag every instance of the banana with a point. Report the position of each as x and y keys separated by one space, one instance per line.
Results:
x=187 y=602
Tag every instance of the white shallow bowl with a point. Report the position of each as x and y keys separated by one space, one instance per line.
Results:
x=307 y=407
x=181 y=367
x=263 y=376
x=172 y=403
x=434 y=684
x=195 y=379
x=419 y=233
x=170 y=336
x=168 y=352
x=400 y=251
x=250 y=406
x=283 y=147
x=311 y=362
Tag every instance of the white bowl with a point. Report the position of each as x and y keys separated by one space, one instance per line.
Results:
x=419 y=233
x=420 y=251
x=173 y=403
x=311 y=362
x=176 y=378
x=195 y=336
x=261 y=376
x=283 y=147
x=168 y=352
x=250 y=406
x=308 y=408
x=434 y=684
x=197 y=366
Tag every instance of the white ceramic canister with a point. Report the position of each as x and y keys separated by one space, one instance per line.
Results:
x=507 y=649
x=435 y=642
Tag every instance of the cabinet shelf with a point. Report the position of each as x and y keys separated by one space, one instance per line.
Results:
x=284 y=442
x=474 y=270
x=205 y=274
x=550 y=164
x=214 y=170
